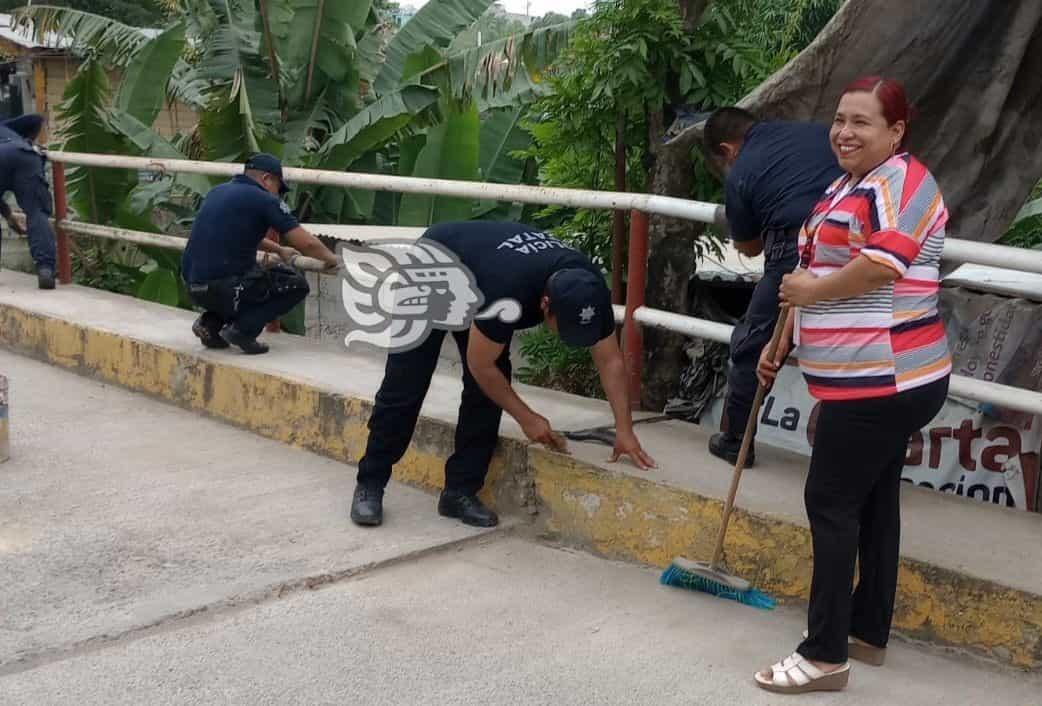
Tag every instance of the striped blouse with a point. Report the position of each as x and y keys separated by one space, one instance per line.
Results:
x=890 y=339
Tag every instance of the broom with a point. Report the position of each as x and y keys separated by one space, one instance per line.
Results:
x=708 y=578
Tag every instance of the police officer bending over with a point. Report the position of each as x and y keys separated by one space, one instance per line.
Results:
x=23 y=171
x=775 y=173
x=219 y=265
x=551 y=282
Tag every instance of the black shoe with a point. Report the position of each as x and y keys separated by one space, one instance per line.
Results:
x=367 y=507
x=249 y=346
x=45 y=278
x=209 y=335
x=466 y=508
x=727 y=446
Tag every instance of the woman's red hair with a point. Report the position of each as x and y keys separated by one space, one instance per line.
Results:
x=891 y=95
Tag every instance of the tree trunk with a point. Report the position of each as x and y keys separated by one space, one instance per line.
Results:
x=973 y=71
x=671 y=262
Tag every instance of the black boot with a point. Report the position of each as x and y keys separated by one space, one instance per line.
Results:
x=725 y=445
x=249 y=346
x=209 y=332
x=367 y=507
x=45 y=278
x=466 y=508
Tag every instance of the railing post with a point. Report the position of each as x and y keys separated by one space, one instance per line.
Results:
x=273 y=326
x=61 y=210
x=637 y=279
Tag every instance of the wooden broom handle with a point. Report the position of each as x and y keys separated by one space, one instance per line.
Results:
x=750 y=429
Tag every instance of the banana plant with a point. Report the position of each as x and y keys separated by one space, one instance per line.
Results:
x=317 y=83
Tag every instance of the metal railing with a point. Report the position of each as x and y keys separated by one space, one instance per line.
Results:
x=633 y=316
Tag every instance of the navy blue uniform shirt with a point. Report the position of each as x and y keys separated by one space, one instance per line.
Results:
x=782 y=170
x=511 y=261
x=234 y=218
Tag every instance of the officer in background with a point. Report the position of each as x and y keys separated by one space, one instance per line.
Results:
x=220 y=267
x=774 y=174
x=23 y=167
x=550 y=282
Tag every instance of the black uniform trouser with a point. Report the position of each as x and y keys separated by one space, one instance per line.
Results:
x=24 y=174
x=853 y=498
x=406 y=380
x=251 y=300
x=754 y=330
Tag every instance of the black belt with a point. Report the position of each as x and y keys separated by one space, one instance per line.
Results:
x=777 y=242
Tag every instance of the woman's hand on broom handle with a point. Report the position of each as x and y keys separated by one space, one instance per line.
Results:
x=768 y=367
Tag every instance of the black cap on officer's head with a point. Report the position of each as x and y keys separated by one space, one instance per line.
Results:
x=28 y=126
x=269 y=163
x=581 y=301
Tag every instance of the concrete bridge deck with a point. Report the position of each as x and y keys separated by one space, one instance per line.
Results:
x=150 y=555
x=970 y=577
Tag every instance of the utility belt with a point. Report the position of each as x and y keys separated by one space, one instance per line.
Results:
x=254 y=287
x=780 y=246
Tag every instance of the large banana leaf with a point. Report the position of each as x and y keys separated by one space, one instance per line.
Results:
x=95 y=194
x=370 y=54
x=321 y=117
x=114 y=41
x=234 y=63
x=436 y=24
x=451 y=152
x=152 y=144
x=375 y=125
x=508 y=70
x=143 y=88
x=326 y=27
x=160 y=286
x=1030 y=210
x=502 y=134
x=227 y=130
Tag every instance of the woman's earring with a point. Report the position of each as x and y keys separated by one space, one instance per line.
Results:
x=893 y=148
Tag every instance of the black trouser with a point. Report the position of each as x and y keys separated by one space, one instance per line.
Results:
x=406 y=380
x=250 y=301
x=754 y=330
x=853 y=498
x=24 y=174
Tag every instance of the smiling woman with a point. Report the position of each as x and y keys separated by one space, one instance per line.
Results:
x=873 y=349
x=870 y=125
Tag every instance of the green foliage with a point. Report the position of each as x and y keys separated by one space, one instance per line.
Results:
x=138 y=13
x=782 y=27
x=451 y=152
x=492 y=25
x=550 y=363
x=631 y=60
x=329 y=90
x=1026 y=230
x=95 y=194
x=625 y=62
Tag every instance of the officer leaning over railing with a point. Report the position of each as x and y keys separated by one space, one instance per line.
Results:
x=23 y=171
x=220 y=267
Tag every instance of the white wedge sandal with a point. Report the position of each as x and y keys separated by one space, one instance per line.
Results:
x=796 y=675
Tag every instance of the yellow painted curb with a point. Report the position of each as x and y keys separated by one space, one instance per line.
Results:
x=279 y=408
x=620 y=516
x=610 y=513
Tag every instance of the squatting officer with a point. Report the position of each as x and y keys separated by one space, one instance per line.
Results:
x=547 y=281
x=774 y=172
x=220 y=267
x=23 y=171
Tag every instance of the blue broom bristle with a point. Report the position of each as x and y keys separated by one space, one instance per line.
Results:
x=677 y=577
